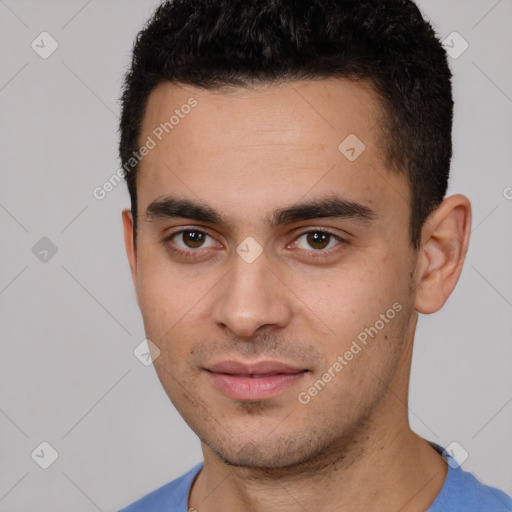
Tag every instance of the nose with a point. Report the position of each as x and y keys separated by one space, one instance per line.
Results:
x=251 y=296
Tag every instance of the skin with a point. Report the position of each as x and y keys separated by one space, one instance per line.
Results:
x=246 y=153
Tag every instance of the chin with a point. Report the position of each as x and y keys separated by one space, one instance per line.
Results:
x=285 y=452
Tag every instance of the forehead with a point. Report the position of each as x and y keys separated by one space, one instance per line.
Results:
x=266 y=146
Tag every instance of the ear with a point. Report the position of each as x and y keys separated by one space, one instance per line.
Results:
x=131 y=249
x=444 y=243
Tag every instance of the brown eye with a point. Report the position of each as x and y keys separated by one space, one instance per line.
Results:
x=317 y=240
x=191 y=239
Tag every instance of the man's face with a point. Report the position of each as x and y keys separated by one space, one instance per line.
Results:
x=257 y=283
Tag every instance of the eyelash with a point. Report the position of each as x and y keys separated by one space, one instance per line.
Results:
x=191 y=253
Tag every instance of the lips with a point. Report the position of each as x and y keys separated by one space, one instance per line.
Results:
x=259 y=369
x=253 y=381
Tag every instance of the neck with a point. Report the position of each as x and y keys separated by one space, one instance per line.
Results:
x=394 y=470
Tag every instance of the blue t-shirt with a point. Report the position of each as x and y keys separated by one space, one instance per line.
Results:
x=461 y=492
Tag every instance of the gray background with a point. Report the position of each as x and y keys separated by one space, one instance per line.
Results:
x=69 y=324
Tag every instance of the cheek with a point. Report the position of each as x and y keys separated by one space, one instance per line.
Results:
x=362 y=315
x=174 y=311
x=345 y=301
x=164 y=294
x=359 y=368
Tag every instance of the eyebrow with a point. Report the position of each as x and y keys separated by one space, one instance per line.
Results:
x=332 y=206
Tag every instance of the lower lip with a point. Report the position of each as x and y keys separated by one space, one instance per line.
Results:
x=254 y=388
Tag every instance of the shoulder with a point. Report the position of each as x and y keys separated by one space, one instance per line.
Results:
x=462 y=491
x=172 y=496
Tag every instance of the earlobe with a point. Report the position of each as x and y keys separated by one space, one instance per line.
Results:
x=445 y=239
x=129 y=242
